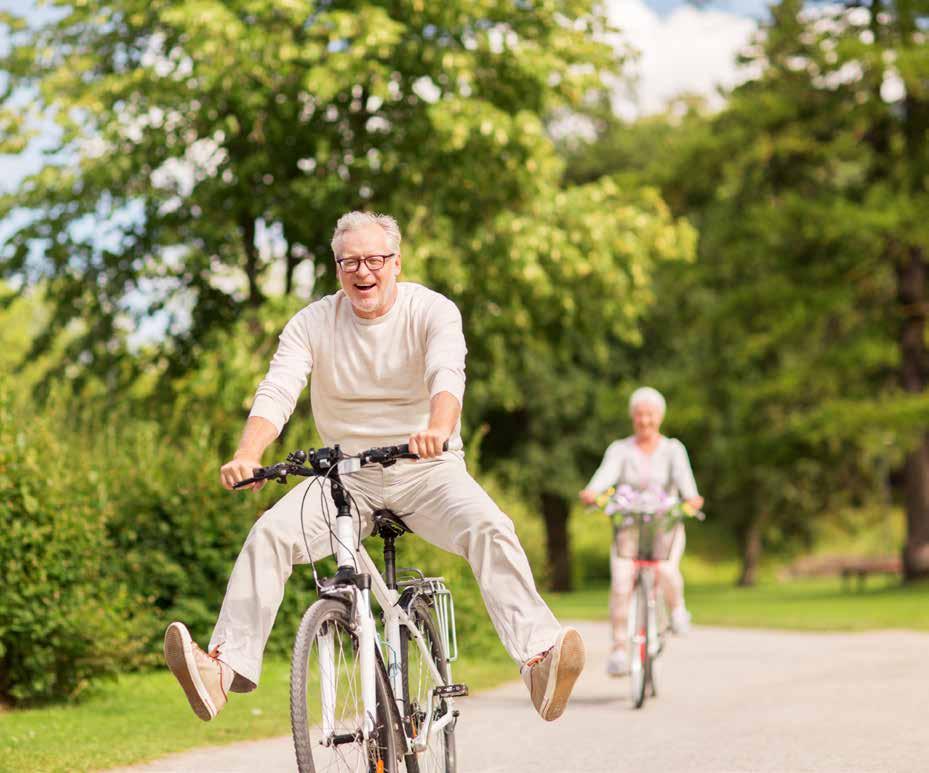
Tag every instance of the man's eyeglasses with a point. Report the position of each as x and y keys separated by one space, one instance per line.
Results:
x=372 y=262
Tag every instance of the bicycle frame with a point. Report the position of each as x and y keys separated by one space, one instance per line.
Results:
x=647 y=573
x=356 y=562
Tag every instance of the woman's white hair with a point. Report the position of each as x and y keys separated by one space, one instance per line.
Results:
x=358 y=219
x=649 y=396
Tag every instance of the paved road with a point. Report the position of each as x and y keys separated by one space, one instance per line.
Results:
x=729 y=700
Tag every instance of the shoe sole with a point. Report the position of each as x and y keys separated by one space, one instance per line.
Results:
x=567 y=664
x=179 y=655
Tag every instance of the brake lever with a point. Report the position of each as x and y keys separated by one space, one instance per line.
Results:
x=276 y=471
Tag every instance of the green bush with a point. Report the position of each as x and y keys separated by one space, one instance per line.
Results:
x=64 y=617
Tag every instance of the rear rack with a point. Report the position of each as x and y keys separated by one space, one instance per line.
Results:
x=435 y=589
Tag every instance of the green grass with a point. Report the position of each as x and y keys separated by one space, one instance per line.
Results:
x=810 y=605
x=145 y=716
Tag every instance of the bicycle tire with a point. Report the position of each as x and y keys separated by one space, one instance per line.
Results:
x=440 y=758
x=638 y=642
x=305 y=689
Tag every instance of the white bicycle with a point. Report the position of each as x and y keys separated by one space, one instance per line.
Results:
x=364 y=698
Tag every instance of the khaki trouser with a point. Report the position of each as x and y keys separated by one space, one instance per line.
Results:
x=439 y=501
x=622 y=572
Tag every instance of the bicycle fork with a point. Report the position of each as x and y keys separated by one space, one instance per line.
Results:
x=348 y=579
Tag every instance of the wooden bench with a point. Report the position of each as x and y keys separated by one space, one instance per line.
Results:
x=862 y=567
x=846 y=567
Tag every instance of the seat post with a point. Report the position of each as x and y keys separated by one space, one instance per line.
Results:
x=390 y=555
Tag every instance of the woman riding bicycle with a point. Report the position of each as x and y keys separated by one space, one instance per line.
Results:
x=646 y=459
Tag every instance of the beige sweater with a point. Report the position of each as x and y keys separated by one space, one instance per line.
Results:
x=372 y=378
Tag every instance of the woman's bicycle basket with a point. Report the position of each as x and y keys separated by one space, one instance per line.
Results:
x=645 y=536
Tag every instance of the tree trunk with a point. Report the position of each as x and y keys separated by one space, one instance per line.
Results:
x=916 y=497
x=911 y=293
x=247 y=223
x=752 y=550
x=292 y=262
x=555 y=511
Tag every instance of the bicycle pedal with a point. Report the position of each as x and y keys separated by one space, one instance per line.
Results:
x=451 y=691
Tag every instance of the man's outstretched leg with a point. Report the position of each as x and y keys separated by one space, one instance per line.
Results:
x=450 y=509
x=253 y=595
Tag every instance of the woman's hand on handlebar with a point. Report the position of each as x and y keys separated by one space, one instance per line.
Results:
x=240 y=468
x=588 y=497
x=695 y=502
x=428 y=443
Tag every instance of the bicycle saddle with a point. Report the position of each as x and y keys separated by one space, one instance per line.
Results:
x=388 y=524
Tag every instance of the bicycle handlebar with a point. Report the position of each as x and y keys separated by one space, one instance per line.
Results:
x=320 y=461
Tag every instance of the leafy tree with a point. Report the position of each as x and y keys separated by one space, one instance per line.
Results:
x=546 y=294
x=804 y=371
x=187 y=131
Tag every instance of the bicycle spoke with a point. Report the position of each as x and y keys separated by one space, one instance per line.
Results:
x=420 y=681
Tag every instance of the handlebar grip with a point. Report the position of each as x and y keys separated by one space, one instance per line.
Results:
x=405 y=448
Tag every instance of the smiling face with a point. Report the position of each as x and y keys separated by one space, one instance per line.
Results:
x=646 y=420
x=371 y=293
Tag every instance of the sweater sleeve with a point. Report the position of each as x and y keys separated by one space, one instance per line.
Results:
x=287 y=375
x=610 y=469
x=681 y=473
x=445 y=350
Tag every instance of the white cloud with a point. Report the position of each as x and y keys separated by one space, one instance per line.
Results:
x=689 y=50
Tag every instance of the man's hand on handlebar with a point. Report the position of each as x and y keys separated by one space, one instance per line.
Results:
x=428 y=444
x=240 y=468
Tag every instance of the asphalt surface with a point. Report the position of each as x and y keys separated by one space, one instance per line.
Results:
x=728 y=700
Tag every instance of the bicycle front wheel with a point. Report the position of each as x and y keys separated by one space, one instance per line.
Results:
x=418 y=684
x=326 y=708
x=638 y=642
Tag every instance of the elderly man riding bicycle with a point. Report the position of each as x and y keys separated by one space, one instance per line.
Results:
x=387 y=360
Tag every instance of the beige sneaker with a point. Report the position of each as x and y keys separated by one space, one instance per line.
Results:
x=205 y=679
x=550 y=676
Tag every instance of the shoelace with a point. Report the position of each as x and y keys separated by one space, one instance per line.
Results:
x=213 y=654
x=537 y=658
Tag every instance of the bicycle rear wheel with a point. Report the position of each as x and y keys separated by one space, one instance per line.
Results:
x=418 y=684
x=326 y=669
x=638 y=642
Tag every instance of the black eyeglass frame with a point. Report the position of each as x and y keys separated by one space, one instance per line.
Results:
x=358 y=261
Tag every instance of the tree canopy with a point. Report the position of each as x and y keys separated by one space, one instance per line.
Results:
x=204 y=150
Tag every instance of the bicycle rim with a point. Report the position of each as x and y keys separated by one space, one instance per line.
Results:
x=326 y=669
x=638 y=643
x=418 y=683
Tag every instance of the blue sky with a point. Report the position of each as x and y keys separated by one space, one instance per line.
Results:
x=752 y=8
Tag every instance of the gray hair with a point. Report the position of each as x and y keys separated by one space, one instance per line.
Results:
x=649 y=396
x=358 y=219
